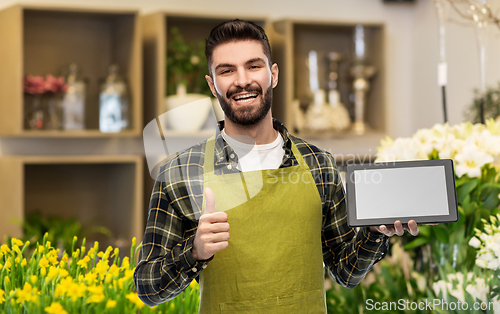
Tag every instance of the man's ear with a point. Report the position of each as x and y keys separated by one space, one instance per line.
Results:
x=274 y=74
x=211 y=85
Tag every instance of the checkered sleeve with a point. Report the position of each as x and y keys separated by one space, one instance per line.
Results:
x=348 y=254
x=166 y=266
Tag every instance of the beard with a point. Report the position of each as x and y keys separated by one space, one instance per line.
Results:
x=247 y=115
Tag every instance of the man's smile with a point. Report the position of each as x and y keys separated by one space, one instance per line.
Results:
x=245 y=98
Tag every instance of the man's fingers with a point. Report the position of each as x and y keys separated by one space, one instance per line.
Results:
x=398 y=227
x=215 y=237
x=218 y=217
x=214 y=227
x=210 y=201
x=217 y=246
x=412 y=227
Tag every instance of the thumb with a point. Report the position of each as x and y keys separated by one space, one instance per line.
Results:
x=210 y=201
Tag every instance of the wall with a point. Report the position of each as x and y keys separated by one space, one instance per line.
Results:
x=413 y=98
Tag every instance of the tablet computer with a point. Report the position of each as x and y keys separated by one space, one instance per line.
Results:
x=381 y=193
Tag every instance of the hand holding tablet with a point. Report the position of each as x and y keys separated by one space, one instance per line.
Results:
x=384 y=193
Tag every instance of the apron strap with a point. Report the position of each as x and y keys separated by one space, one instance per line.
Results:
x=209 y=155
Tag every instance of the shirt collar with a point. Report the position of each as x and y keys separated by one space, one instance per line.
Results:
x=225 y=155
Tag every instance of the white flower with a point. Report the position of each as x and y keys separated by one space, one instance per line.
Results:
x=470 y=161
x=479 y=290
x=474 y=242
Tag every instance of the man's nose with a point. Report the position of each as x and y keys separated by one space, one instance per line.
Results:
x=243 y=78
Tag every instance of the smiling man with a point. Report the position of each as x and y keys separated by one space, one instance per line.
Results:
x=264 y=254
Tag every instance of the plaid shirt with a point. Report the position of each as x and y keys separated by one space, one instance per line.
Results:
x=166 y=266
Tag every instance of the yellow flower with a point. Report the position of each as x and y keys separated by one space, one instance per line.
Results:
x=53 y=260
x=23 y=262
x=108 y=279
x=5 y=249
x=125 y=263
x=17 y=260
x=7 y=264
x=83 y=263
x=53 y=273
x=1 y=266
x=110 y=304
x=101 y=267
x=41 y=249
x=17 y=242
x=43 y=271
x=192 y=284
x=91 y=252
x=90 y=278
x=33 y=279
x=6 y=280
x=55 y=308
x=63 y=286
x=134 y=240
x=114 y=270
x=116 y=252
x=132 y=297
x=96 y=289
x=129 y=273
x=27 y=294
x=16 y=249
x=63 y=272
x=96 y=298
x=43 y=262
x=2 y=298
x=76 y=291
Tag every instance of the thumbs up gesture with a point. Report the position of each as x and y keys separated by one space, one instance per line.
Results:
x=212 y=234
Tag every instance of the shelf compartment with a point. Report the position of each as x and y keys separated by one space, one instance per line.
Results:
x=43 y=40
x=291 y=42
x=96 y=190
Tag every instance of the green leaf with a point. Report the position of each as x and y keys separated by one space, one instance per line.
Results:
x=417 y=242
x=466 y=189
x=492 y=201
x=441 y=234
x=424 y=231
x=468 y=207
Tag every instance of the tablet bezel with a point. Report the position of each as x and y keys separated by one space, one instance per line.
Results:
x=453 y=216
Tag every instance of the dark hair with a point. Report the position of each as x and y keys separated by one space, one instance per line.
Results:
x=235 y=30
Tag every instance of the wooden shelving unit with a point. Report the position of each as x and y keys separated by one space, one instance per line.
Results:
x=105 y=190
x=40 y=40
x=292 y=40
x=156 y=30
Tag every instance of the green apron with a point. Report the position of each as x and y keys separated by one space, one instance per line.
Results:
x=274 y=261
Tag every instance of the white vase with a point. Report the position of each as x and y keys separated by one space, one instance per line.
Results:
x=186 y=112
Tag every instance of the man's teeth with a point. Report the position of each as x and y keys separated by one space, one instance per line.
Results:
x=245 y=98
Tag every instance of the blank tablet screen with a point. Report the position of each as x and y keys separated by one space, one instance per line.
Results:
x=419 y=190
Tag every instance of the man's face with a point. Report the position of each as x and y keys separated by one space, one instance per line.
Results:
x=243 y=81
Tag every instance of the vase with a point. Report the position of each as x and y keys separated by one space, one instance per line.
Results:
x=113 y=103
x=187 y=112
x=34 y=113
x=53 y=112
x=73 y=102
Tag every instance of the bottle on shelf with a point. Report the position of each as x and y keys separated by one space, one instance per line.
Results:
x=73 y=102
x=339 y=116
x=113 y=103
x=317 y=117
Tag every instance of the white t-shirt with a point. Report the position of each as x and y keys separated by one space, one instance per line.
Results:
x=257 y=157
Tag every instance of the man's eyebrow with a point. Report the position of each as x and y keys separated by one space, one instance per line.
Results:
x=224 y=65
x=228 y=65
x=255 y=60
